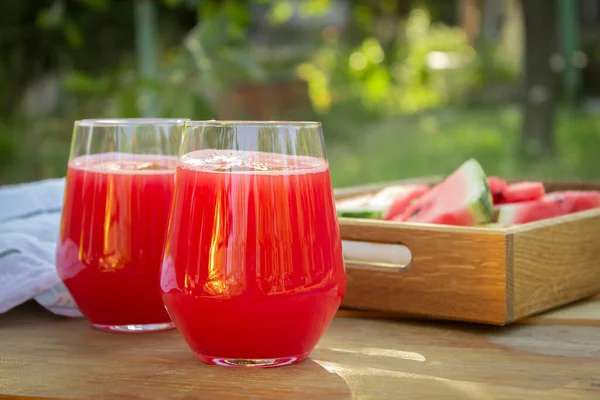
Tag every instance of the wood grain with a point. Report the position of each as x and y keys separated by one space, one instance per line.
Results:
x=556 y=263
x=493 y=276
x=584 y=310
x=455 y=273
x=358 y=358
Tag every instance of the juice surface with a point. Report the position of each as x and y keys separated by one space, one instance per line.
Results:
x=112 y=236
x=253 y=265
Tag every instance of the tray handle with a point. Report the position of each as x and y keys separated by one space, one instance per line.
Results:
x=370 y=255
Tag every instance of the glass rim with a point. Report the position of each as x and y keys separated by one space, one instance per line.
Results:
x=108 y=122
x=249 y=123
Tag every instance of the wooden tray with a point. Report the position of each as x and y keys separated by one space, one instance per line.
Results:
x=487 y=275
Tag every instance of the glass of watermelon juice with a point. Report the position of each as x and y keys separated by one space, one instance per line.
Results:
x=119 y=187
x=253 y=271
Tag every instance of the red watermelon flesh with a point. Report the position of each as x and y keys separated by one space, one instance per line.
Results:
x=522 y=191
x=463 y=198
x=496 y=185
x=577 y=200
x=403 y=196
x=529 y=211
x=460 y=217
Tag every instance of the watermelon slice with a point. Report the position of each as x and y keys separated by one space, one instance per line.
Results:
x=576 y=200
x=461 y=217
x=496 y=185
x=529 y=211
x=522 y=191
x=388 y=202
x=463 y=198
x=357 y=207
x=397 y=198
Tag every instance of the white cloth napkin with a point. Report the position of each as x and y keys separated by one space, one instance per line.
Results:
x=29 y=224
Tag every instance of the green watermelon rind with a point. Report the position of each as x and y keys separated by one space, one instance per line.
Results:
x=360 y=207
x=480 y=202
x=506 y=214
x=493 y=225
x=360 y=213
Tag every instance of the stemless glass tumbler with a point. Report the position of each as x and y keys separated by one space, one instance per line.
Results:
x=118 y=194
x=253 y=271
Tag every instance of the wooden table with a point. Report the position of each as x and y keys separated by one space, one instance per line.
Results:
x=362 y=356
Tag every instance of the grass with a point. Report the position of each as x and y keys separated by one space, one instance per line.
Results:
x=437 y=142
x=365 y=149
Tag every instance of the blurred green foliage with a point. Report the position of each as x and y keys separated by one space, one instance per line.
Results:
x=436 y=142
x=394 y=89
x=428 y=65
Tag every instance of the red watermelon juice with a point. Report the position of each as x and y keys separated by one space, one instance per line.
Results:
x=112 y=237
x=253 y=271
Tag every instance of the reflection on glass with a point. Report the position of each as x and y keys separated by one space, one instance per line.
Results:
x=253 y=269
x=118 y=194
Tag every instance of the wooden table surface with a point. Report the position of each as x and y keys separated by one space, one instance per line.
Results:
x=362 y=356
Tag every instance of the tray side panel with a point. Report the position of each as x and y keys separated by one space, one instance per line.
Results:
x=454 y=274
x=556 y=263
x=510 y=277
